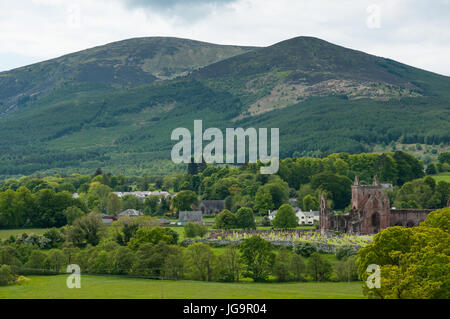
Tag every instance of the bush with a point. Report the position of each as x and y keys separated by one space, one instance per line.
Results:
x=6 y=276
x=230 y=264
x=319 y=268
x=201 y=262
x=36 y=263
x=225 y=220
x=285 y=217
x=305 y=249
x=282 y=268
x=174 y=264
x=346 y=270
x=123 y=259
x=153 y=236
x=55 y=238
x=343 y=252
x=21 y=280
x=55 y=260
x=298 y=267
x=192 y=230
x=245 y=218
x=39 y=241
x=258 y=258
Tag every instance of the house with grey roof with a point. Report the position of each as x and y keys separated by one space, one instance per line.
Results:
x=210 y=207
x=130 y=213
x=191 y=217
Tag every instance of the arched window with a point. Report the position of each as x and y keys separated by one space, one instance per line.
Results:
x=375 y=222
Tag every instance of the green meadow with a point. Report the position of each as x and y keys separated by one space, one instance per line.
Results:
x=442 y=177
x=6 y=233
x=114 y=287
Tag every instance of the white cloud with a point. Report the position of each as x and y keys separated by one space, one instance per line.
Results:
x=411 y=31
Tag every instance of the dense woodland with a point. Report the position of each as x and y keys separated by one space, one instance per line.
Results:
x=48 y=201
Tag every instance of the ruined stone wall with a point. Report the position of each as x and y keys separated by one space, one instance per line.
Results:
x=370 y=212
x=408 y=217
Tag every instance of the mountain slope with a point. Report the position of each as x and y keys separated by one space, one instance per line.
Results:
x=324 y=98
x=120 y=64
x=294 y=70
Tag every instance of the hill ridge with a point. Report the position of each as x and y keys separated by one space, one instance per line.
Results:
x=324 y=98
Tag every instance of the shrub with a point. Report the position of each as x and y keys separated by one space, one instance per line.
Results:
x=55 y=260
x=153 y=236
x=230 y=264
x=225 y=220
x=258 y=258
x=36 y=263
x=201 y=262
x=305 y=249
x=298 y=267
x=319 y=268
x=55 y=238
x=345 y=251
x=21 y=280
x=245 y=218
x=346 y=270
x=282 y=268
x=285 y=217
x=6 y=276
x=192 y=230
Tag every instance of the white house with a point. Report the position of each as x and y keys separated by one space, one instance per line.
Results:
x=131 y=213
x=307 y=218
x=304 y=218
x=143 y=194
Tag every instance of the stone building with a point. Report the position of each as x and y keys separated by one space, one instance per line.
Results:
x=370 y=213
x=211 y=207
x=191 y=217
x=131 y=213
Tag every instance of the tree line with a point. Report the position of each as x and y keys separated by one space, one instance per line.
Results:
x=153 y=252
x=46 y=201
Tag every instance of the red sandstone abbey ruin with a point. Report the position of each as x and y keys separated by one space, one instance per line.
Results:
x=371 y=212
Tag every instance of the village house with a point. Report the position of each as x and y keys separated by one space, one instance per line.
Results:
x=130 y=213
x=164 y=222
x=142 y=195
x=304 y=218
x=210 y=207
x=191 y=217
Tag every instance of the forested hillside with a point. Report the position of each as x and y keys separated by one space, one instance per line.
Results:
x=324 y=98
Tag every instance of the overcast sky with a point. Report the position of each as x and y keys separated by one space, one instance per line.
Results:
x=415 y=32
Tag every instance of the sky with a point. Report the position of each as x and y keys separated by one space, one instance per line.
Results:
x=415 y=32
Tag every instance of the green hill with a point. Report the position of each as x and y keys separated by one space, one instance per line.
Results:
x=117 y=65
x=323 y=97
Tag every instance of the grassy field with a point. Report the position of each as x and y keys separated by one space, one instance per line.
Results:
x=442 y=177
x=109 y=287
x=6 y=233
